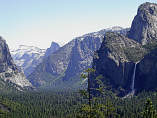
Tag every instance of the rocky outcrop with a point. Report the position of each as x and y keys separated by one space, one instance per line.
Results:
x=53 y=48
x=52 y=67
x=115 y=60
x=8 y=70
x=144 y=25
x=5 y=57
x=146 y=74
x=81 y=58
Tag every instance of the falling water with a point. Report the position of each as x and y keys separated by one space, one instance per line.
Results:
x=130 y=94
x=133 y=80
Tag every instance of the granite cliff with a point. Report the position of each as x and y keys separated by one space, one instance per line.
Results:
x=128 y=63
x=62 y=68
x=144 y=25
x=8 y=70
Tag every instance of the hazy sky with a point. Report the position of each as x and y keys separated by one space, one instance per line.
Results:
x=39 y=22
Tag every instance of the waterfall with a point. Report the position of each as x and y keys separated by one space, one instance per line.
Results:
x=133 y=80
x=130 y=94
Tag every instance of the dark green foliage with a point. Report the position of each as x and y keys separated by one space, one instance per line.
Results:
x=46 y=104
x=151 y=45
x=149 y=111
x=6 y=86
x=53 y=104
x=134 y=54
x=94 y=108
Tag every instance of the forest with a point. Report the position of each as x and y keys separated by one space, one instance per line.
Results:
x=82 y=103
x=72 y=104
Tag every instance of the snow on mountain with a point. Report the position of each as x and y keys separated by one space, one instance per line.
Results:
x=27 y=57
x=102 y=32
x=115 y=28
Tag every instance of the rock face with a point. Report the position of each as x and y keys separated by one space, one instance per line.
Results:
x=81 y=57
x=144 y=30
x=52 y=67
x=144 y=25
x=53 y=48
x=27 y=57
x=146 y=74
x=8 y=70
x=115 y=60
x=63 y=67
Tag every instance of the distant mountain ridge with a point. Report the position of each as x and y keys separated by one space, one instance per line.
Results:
x=117 y=29
x=63 y=67
x=27 y=57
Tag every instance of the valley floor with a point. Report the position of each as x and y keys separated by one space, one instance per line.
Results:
x=50 y=104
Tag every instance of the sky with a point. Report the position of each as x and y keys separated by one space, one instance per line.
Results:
x=39 y=22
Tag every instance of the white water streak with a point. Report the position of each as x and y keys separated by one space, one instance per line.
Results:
x=130 y=94
x=133 y=79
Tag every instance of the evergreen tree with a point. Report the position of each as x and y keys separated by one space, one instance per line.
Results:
x=149 y=111
x=94 y=108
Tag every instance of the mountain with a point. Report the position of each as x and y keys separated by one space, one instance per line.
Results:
x=144 y=25
x=9 y=73
x=63 y=67
x=128 y=63
x=147 y=72
x=115 y=61
x=27 y=57
x=53 y=48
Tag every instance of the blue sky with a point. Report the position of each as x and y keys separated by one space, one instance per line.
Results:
x=39 y=22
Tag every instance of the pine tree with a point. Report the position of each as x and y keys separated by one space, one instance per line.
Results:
x=149 y=111
x=95 y=109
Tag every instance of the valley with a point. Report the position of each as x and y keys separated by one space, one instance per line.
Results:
x=110 y=73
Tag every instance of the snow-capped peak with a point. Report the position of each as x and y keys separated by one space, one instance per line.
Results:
x=103 y=31
x=115 y=28
x=27 y=49
x=27 y=57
